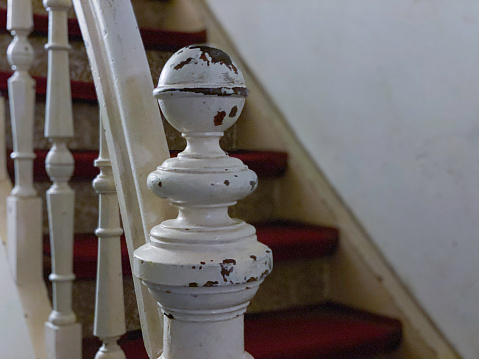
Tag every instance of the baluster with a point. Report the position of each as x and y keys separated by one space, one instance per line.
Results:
x=203 y=267
x=109 y=304
x=62 y=332
x=24 y=212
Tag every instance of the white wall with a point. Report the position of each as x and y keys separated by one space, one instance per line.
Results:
x=385 y=95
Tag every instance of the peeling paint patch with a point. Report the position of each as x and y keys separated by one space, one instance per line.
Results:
x=233 y=111
x=210 y=283
x=184 y=63
x=217 y=56
x=227 y=268
x=218 y=119
x=169 y=315
x=253 y=257
x=193 y=285
x=227 y=182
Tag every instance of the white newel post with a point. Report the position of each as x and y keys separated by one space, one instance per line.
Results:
x=62 y=332
x=109 y=303
x=203 y=267
x=24 y=212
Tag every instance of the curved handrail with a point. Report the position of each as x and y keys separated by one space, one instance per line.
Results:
x=133 y=129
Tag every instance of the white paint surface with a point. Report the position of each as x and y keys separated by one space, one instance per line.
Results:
x=385 y=96
x=14 y=335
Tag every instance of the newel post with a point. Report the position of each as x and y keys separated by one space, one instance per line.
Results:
x=203 y=267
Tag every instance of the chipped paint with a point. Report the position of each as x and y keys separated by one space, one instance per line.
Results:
x=233 y=111
x=216 y=56
x=227 y=268
x=212 y=91
x=219 y=117
x=211 y=283
x=168 y=315
x=184 y=63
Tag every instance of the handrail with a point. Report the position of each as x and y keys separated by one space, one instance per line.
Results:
x=132 y=125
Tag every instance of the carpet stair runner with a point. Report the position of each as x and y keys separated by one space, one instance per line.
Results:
x=325 y=330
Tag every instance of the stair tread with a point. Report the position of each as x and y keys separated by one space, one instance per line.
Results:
x=288 y=240
x=291 y=240
x=327 y=331
x=265 y=163
x=80 y=90
x=153 y=39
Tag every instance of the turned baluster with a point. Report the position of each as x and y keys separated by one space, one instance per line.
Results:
x=24 y=212
x=109 y=303
x=62 y=332
x=203 y=267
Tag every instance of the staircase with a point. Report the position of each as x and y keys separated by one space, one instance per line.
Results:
x=291 y=316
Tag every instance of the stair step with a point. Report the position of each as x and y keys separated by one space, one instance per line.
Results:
x=80 y=90
x=268 y=164
x=297 y=241
x=327 y=331
x=288 y=240
x=153 y=39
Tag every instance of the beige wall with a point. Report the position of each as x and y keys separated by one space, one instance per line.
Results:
x=384 y=96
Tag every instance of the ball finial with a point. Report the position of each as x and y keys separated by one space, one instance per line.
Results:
x=203 y=81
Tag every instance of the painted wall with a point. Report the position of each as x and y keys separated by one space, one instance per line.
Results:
x=385 y=95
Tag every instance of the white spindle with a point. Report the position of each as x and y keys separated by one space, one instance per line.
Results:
x=109 y=304
x=24 y=213
x=202 y=267
x=62 y=332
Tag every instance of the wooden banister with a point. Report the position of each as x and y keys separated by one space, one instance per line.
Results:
x=133 y=129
